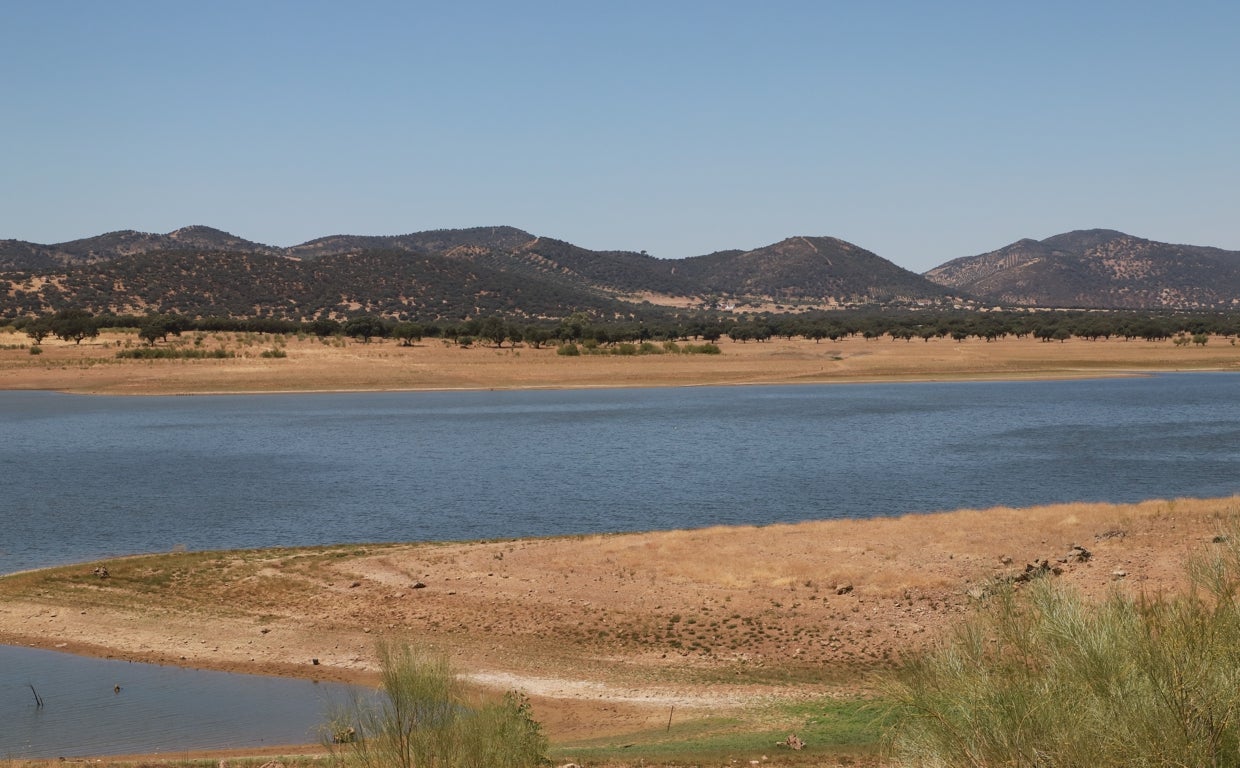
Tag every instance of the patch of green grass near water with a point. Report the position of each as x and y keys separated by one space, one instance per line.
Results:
x=839 y=728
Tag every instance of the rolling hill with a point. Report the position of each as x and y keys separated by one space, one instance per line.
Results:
x=451 y=274
x=1098 y=268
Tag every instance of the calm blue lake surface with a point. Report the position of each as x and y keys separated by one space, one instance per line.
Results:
x=157 y=710
x=91 y=477
x=84 y=478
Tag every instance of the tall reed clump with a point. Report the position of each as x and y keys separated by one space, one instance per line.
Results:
x=421 y=719
x=1044 y=678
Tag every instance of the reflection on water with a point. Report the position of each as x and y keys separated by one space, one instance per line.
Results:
x=108 y=707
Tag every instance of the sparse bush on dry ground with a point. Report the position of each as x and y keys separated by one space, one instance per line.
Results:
x=1042 y=677
x=170 y=353
x=421 y=720
x=626 y=349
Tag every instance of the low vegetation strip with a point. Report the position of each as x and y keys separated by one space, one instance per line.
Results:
x=174 y=353
x=600 y=330
x=626 y=349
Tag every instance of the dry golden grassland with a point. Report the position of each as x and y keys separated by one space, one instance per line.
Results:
x=311 y=364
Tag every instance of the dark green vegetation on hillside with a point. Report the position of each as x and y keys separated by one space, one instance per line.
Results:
x=441 y=274
x=1098 y=268
x=456 y=274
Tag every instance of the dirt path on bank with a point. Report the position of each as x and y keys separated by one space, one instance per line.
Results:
x=608 y=633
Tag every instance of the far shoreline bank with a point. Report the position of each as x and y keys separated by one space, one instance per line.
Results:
x=962 y=378
x=309 y=366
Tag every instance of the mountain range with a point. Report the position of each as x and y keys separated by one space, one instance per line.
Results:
x=456 y=273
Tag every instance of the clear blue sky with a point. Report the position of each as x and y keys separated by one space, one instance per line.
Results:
x=922 y=131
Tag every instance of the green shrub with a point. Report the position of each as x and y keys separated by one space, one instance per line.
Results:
x=702 y=349
x=569 y=350
x=35 y=349
x=648 y=348
x=273 y=352
x=421 y=720
x=1043 y=677
x=169 y=353
x=625 y=348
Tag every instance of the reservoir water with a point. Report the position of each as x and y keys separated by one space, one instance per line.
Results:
x=84 y=478
x=92 y=477
x=101 y=706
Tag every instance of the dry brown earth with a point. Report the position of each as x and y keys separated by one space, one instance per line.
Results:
x=609 y=632
x=313 y=365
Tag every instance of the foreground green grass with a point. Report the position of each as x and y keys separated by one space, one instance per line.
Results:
x=835 y=732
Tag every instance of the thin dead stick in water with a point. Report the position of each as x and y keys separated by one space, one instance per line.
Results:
x=38 y=700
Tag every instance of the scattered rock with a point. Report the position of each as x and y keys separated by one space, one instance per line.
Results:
x=1220 y=539
x=843 y=589
x=1033 y=571
x=315 y=662
x=419 y=585
x=1006 y=560
x=1077 y=554
x=1117 y=575
x=1114 y=533
x=101 y=572
x=792 y=742
x=355 y=585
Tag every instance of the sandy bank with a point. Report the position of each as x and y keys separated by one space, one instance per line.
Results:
x=311 y=365
x=608 y=632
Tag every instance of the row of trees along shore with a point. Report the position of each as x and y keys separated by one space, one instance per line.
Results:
x=78 y=325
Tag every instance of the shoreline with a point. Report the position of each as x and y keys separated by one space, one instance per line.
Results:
x=963 y=378
x=705 y=620
x=313 y=367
